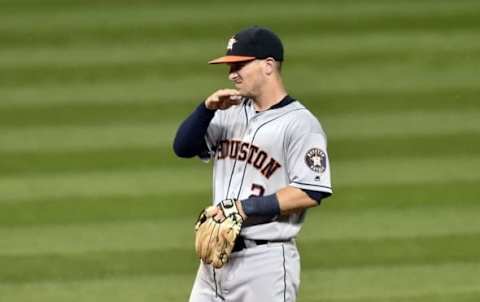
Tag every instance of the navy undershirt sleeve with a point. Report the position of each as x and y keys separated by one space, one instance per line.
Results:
x=189 y=140
x=268 y=205
x=316 y=195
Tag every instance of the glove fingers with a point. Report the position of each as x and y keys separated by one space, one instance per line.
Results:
x=202 y=238
x=214 y=240
x=221 y=253
x=211 y=211
x=227 y=234
x=210 y=241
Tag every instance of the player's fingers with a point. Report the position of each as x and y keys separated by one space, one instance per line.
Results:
x=226 y=93
x=219 y=216
x=228 y=103
x=211 y=211
x=229 y=91
x=213 y=99
x=236 y=98
x=223 y=99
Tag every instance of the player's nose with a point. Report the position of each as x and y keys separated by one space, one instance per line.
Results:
x=233 y=76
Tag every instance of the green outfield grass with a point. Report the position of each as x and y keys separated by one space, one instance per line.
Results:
x=94 y=206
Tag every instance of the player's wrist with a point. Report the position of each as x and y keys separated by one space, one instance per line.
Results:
x=240 y=209
x=265 y=206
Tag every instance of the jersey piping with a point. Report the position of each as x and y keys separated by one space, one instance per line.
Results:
x=313 y=185
x=236 y=157
x=253 y=139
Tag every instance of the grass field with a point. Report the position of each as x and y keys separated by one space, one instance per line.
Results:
x=95 y=207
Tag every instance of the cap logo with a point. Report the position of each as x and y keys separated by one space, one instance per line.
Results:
x=230 y=43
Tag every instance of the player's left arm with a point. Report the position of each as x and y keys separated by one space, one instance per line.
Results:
x=292 y=199
x=308 y=170
x=286 y=201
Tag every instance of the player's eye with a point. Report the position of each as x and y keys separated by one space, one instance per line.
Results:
x=235 y=67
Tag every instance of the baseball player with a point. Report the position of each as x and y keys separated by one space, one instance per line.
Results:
x=270 y=164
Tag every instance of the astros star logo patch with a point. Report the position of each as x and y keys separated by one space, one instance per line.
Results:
x=316 y=160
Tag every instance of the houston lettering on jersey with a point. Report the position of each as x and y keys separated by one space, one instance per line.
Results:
x=252 y=154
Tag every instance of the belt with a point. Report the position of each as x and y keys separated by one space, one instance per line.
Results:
x=241 y=243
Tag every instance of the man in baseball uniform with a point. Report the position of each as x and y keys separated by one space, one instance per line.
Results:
x=270 y=156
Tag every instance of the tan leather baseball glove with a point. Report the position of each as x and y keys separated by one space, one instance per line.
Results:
x=215 y=238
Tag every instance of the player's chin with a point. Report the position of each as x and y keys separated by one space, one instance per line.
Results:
x=241 y=90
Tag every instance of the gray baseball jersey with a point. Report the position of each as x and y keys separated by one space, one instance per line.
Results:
x=261 y=153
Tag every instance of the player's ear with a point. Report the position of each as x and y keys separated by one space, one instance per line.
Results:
x=269 y=66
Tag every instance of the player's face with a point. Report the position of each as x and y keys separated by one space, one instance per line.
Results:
x=247 y=77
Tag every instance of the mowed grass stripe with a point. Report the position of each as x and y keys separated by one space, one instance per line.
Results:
x=428 y=75
x=147 y=12
x=197 y=177
x=192 y=51
x=90 y=137
x=328 y=223
x=445 y=283
x=412 y=146
x=422 y=283
x=118 y=208
x=405 y=171
x=114 y=159
x=98 y=72
x=401 y=123
x=162 y=232
x=126 y=235
x=172 y=288
x=189 y=202
x=85 y=108
x=404 y=196
x=409 y=251
x=168 y=68
x=440 y=295
x=322 y=254
x=197 y=84
x=457 y=83
x=445 y=295
x=138 y=111
x=426 y=66
x=188 y=88
x=448 y=20
x=96 y=265
x=52 y=4
x=161 y=133
x=101 y=184
x=119 y=159
x=151 y=110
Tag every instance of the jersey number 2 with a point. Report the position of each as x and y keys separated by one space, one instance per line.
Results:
x=257 y=190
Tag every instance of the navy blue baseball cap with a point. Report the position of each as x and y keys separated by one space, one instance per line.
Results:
x=250 y=44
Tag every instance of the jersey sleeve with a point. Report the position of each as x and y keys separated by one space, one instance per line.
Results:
x=307 y=159
x=213 y=136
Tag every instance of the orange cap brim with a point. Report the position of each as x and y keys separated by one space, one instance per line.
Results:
x=231 y=59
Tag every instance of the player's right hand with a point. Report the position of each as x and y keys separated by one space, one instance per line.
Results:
x=223 y=99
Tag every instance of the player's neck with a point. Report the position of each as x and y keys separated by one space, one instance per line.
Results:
x=270 y=96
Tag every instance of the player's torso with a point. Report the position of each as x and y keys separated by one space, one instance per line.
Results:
x=250 y=158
